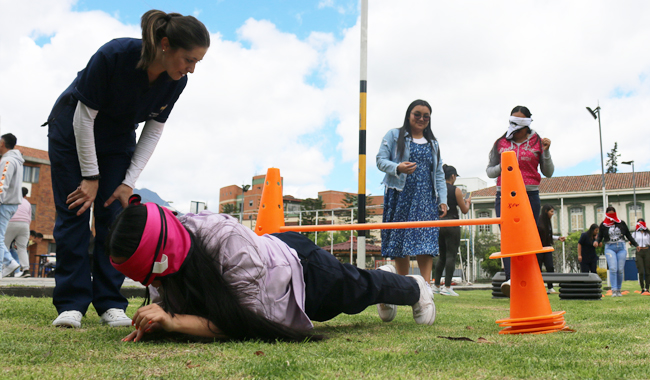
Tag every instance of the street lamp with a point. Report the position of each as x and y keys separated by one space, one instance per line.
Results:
x=633 y=184
x=244 y=189
x=596 y=114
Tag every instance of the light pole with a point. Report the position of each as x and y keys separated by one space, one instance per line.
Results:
x=596 y=114
x=244 y=189
x=633 y=185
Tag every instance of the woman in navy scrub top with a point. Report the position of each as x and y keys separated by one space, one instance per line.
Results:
x=96 y=160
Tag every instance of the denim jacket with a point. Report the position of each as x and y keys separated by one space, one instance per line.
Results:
x=387 y=162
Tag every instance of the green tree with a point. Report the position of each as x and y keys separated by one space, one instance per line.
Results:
x=229 y=208
x=486 y=244
x=352 y=201
x=612 y=157
x=570 y=253
x=309 y=207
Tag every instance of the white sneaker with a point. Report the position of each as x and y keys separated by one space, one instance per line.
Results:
x=115 y=318
x=8 y=269
x=386 y=311
x=551 y=291
x=445 y=291
x=70 y=318
x=424 y=311
x=505 y=288
x=435 y=289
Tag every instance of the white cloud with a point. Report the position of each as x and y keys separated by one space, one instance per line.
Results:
x=326 y=4
x=249 y=105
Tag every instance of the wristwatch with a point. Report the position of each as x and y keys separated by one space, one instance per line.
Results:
x=95 y=177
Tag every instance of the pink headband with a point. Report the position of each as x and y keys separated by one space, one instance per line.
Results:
x=163 y=247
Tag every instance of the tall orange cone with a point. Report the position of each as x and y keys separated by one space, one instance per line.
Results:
x=271 y=214
x=530 y=309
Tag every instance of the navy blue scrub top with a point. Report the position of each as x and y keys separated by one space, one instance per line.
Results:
x=111 y=84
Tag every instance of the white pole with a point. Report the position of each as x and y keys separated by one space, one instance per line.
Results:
x=361 y=239
x=472 y=233
x=351 y=237
x=332 y=236
x=316 y=232
x=563 y=252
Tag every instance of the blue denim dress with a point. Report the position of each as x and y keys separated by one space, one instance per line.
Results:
x=415 y=203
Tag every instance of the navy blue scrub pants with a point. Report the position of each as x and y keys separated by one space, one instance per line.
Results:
x=75 y=289
x=535 y=204
x=333 y=288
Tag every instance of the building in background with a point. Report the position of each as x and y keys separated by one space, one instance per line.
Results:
x=38 y=179
x=578 y=200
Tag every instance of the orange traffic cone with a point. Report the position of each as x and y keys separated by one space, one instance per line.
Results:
x=271 y=214
x=530 y=309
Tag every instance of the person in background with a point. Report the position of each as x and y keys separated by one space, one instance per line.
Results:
x=642 y=237
x=532 y=152
x=545 y=228
x=586 y=250
x=449 y=236
x=11 y=180
x=96 y=159
x=18 y=231
x=613 y=232
x=415 y=190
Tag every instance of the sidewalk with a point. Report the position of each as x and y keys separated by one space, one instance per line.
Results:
x=43 y=287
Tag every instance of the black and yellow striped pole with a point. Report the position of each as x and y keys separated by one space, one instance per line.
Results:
x=361 y=202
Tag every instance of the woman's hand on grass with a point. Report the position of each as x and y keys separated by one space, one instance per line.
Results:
x=148 y=319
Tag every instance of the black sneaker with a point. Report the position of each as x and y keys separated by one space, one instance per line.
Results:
x=25 y=274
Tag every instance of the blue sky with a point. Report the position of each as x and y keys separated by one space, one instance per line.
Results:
x=226 y=16
x=279 y=85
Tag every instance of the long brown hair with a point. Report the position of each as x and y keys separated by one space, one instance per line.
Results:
x=182 y=32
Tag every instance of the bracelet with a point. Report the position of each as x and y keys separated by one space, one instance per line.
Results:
x=95 y=177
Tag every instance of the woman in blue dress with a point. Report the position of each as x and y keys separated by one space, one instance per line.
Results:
x=95 y=158
x=415 y=190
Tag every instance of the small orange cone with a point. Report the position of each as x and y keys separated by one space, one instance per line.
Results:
x=271 y=214
x=530 y=309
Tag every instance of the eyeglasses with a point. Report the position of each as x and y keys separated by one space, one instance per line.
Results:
x=419 y=116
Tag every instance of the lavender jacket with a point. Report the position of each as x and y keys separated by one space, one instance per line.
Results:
x=263 y=270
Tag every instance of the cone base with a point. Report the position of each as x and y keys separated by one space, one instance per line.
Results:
x=547 y=330
x=498 y=255
x=553 y=315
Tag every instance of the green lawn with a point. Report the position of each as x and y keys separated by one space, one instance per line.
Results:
x=612 y=341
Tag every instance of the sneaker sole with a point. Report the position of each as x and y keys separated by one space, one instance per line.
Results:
x=432 y=315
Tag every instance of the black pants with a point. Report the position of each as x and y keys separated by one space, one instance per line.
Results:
x=75 y=289
x=588 y=267
x=332 y=288
x=449 y=241
x=546 y=258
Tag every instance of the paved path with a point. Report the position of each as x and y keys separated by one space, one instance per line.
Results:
x=43 y=287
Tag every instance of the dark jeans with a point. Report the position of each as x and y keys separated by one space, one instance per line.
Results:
x=75 y=289
x=588 y=267
x=535 y=204
x=449 y=241
x=546 y=258
x=332 y=288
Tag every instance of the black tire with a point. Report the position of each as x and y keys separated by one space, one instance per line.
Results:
x=581 y=284
x=569 y=291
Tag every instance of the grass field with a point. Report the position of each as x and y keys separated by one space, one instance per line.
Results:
x=611 y=341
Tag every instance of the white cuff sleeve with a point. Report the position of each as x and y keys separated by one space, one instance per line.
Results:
x=143 y=150
x=83 y=124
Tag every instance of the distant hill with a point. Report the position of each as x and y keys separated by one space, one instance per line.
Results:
x=150 y=196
